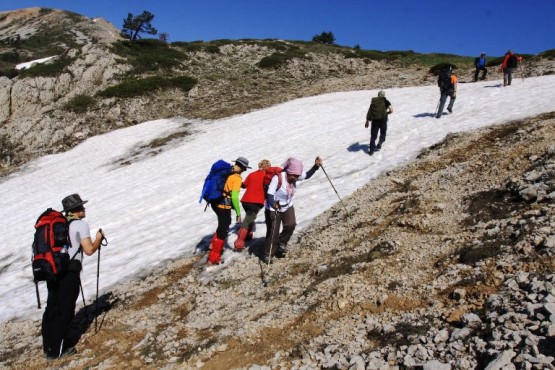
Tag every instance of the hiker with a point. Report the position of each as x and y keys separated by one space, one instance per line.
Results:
x=447 y=82
x=509 y=65
x=64 y=291
x=279 y=207
x=252 y=201
x=480 y=64
x=378 y=113
x=223 y=206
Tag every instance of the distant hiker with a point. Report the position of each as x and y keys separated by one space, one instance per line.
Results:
x=378 y=113
x=64 y=290
x=447 y=82
x=480 y=64
x=222 y=207
x=509 y=65
x=252 y=201
x=279 y=207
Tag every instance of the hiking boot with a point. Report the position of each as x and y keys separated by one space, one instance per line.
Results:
x=67 y=352
x=450 y=110
x=370 y=152
x=215 y=254
x=379 y=146
x=280 y=253
x=240 y=242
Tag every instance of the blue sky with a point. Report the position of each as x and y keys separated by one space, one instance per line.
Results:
x=462 y=27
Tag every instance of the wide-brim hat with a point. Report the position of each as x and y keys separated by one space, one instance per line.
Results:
x=243 y=162
x=72 y=201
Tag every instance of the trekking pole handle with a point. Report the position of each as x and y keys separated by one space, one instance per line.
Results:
x=104 y=241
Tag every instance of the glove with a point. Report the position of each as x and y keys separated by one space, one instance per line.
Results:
x=318 y=161
x=366 y=124
x=276 y=206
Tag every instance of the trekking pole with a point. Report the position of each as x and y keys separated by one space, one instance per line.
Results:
x=336 y=193
x=37 y=289
x=103 y=242
x=265 y=278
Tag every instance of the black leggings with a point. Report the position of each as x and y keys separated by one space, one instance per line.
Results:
x=224 y=220
x=60 y=309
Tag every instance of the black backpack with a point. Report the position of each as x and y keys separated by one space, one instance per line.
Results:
x=51 y=242
x=377 y=110
x=444 y=79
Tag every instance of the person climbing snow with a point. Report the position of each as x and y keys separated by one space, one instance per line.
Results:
x=253 y=202
x=378 y=113
x=480 y=64
x=280 y=209
x=448 y=83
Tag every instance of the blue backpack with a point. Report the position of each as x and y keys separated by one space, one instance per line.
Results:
x=215 y=181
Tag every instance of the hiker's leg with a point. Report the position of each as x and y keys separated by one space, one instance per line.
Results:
x=442 y=101
x=373 y=135
x=224 y=220
x=476 y=74
x=510 y=76
x=485 y=73
x=289 y=224
x=383 y=130
x=452 y=99
x=272 y=242
x=59 y=312
x=505 y=77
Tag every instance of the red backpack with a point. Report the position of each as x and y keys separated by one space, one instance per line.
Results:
x=270 y=173
x=50 y=245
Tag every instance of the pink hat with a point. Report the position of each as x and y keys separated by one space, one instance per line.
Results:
x=293 y=166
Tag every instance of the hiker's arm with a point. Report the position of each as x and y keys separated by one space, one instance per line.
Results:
x=390 y=109
x=312 y=171
x=89 y=247
x=235 y=204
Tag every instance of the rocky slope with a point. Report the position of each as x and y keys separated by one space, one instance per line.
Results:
x=445 y=263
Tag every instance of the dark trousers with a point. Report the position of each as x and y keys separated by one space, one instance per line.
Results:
x=224 y=220
x=508 y=76
x=477 y=73
x=443 y=99
x=59 y=312
x=380 y=126
x=251 y=210
x=274 y=238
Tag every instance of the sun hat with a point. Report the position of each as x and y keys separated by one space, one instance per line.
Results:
x=72 y=201
x=243 y=162
x=293 y=166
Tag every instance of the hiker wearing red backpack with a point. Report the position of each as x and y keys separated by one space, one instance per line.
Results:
x=252 y=201
x=222 y=207
x=280 y=209
x=64 y=290
x=509 y=65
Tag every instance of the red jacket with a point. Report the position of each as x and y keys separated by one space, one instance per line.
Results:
x=254 y=183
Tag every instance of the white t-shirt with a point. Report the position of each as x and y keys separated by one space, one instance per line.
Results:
x=283 y=195
x=78 y=230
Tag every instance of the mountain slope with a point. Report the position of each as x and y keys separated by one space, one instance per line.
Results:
x=51 y=108
x=446 y=259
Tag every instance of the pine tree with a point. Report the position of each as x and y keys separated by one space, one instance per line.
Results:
x=133 y=26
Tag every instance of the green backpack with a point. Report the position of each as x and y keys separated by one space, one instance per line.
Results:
x=377 y=110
